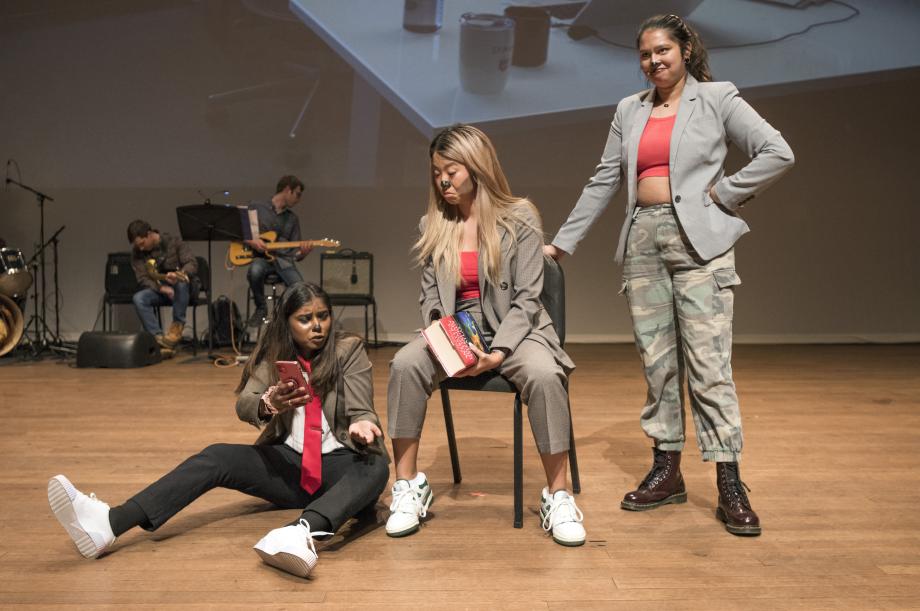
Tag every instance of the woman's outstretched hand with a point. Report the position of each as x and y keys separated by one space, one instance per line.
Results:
x=551 y=251
x=364 y=431
x=485 y=363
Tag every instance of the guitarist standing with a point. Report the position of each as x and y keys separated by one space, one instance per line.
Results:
x=164 y=283
x=276 y=215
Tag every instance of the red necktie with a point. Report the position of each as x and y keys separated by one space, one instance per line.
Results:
x=311 y=466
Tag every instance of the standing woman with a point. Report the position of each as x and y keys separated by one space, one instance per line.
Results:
x=321 y=448
x=668 y=144
x=480 y=251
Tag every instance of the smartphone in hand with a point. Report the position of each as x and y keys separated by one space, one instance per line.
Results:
x=290 y=371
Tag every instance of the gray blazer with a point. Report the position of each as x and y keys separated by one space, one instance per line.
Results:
x=709 y=117
x=351 y=400
x=513 y=308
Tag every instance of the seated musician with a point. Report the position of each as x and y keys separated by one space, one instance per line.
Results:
x=165 y=282
x=276 y=215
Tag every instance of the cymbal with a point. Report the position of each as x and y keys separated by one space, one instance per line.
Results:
x=15 y=283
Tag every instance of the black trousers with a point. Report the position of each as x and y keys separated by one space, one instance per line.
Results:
x=351 y=481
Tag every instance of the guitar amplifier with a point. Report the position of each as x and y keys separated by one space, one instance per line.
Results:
x=120 y=280
x=347 y=272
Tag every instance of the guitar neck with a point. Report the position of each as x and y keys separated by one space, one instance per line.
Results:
x=281 y=245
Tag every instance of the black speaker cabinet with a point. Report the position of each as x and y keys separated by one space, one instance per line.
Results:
x=347 y=273
x=120 y=280
x=117 y=350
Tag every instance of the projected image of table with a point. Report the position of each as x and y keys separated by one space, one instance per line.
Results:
x=583 y=80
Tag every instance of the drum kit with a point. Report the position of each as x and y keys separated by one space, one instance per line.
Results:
x=15 y=280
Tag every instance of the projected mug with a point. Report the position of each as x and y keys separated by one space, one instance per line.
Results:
x=486 y=45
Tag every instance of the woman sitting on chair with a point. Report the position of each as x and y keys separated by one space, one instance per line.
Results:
x=331 y=474
x=481 y=252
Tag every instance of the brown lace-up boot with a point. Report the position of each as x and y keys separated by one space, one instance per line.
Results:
x=734 y=506
x=173 y=336
x=664 y=484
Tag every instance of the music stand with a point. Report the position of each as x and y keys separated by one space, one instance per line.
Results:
x=210 y=222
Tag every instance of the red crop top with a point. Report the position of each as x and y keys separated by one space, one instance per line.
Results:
x=469 y=275
x=655 y=147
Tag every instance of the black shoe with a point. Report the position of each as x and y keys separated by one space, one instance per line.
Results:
x=258 y=317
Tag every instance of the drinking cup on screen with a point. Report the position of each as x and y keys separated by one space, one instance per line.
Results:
x=486 y=45
x=531 y=35
x=423 y=16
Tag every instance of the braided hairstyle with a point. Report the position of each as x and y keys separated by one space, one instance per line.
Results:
x=685 y=36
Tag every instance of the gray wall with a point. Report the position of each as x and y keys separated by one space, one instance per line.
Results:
x=106 y=109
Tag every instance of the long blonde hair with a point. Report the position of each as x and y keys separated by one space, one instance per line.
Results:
x=496 y=206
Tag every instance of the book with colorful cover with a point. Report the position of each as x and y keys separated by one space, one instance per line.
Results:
x=449 y=339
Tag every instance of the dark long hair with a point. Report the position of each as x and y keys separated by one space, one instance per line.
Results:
x=685 y=36
x=277 y=344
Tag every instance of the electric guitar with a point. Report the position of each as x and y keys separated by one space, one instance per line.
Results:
x=155 y=273
x=240 y=254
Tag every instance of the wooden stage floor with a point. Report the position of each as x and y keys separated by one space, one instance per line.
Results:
x=832 y=436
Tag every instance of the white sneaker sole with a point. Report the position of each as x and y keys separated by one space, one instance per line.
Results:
x=61 y=495
x=289 y=563
x=414 y=527
x=569 y=542
x=560 y=540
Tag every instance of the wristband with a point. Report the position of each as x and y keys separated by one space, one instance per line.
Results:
x=267 y=402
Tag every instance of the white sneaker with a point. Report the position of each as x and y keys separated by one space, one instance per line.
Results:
x=290 y=548
x=562 y=517
x=410 y=502
x=85 y=518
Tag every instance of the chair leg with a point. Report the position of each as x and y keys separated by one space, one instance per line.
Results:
x=451 y=438
x=367 y=329
x=194 y=331
x=518 y=464
x=573 y=457
x=374 y=307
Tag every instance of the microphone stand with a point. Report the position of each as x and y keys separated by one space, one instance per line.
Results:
x=56 y=342
x=41 y=337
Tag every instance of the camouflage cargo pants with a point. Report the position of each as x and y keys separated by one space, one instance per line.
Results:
x=681 y=310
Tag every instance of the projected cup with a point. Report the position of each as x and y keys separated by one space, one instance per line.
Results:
x=486 y=45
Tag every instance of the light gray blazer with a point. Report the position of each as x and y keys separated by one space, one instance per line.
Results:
x=709 y=117
x=512 y=308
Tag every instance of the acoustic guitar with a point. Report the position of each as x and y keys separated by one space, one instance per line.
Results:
x=240 y=254
x=155 y=273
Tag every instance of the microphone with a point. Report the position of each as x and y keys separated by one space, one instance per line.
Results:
x=445 y=184
x=207 y=198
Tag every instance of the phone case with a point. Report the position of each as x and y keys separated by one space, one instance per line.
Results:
x=290 y=371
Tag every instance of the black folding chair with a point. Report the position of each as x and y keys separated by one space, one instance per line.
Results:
x=553 y=298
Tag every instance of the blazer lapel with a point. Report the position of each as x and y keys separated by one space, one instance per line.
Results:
x=447 y=291
x=481 y=270
x=687 y=105
x=635 y=134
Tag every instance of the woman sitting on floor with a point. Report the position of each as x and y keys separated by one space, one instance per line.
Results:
x=321 y=447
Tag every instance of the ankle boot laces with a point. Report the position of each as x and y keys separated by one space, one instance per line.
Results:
x=658 y=471
x=734 y=488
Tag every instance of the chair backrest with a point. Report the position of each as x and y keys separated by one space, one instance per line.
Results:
x=553 y=295
x=120 y=281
